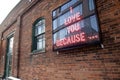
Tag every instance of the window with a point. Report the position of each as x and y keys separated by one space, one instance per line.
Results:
x=75 y=24
x=91 y=5
x=9 y=53
x=39 y=35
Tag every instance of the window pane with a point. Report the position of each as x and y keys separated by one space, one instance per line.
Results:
x=94 y=23
x=63 y=33
x=64 y=7
x=41 y=22
x=55 y=24
x=67 y=5
x=91 y=5
x=43 y=26
x=40 y=42
x=38 y=30
x=72 y=2
x=39 y=45
x=78 y=9
x=56 y=36
x=90 y=25
x=87 y=26
x=54 y=13
x=10 y=48
x=81 y=24
x=64 y=16
x=40 y=27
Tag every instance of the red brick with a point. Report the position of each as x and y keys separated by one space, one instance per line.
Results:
x=86 y=63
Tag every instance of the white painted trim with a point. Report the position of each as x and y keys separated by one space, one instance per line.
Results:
x=12 y=78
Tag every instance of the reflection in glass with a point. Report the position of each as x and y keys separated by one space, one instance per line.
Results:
x=54 y=13
x=55 y=24
x=40 y=27
x=91 y=5
x=60 y=21
x=94 y=23
x=63 y=33
x=10 y=48
x=81 y=23
x=78 y=9
x=68 y=5
x=63 y=17
x=40 y=42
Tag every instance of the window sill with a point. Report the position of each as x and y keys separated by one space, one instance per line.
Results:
x=37 y=52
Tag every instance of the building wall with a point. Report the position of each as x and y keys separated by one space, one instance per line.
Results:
x=86 y=63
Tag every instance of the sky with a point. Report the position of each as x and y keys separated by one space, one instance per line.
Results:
x=5 y=7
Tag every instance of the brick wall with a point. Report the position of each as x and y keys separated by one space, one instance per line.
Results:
x=86 y=63
x=8 y=26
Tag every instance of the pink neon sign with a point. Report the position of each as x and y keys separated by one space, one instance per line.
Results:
x=76 y=35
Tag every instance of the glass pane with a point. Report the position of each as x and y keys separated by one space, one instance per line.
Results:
x=72 y=2
x=78 y=9
x=54 y=13
x=55 y=24
x=43 y=26
x=39 y=30
x=90 y=25
x=87 y=27
x=41 y=22
x=67 y=5
x=63 y=33
x=10 y=65
x=81 y=24
x=64 y=7
x=40 y=42
x=40 y=27
x=55 y=37
x=94 y=23
x=63 y=17
x=10 y=48
x=91 y=5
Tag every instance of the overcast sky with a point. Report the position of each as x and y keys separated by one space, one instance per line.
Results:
x=5 y=7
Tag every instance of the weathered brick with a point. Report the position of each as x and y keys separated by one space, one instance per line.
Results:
x=81 y=63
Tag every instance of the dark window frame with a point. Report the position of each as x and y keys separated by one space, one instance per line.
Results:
x=36 y=37
x=8 y=56
x=87 y=13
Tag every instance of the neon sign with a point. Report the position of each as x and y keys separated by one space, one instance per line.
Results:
x=77 y=31
x=71 y=40
x=73 y=18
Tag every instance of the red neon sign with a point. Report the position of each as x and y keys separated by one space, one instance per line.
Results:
x=76 y=35
x=71 y=40
x=73 y=18
x=70 y=29
x=73 y=28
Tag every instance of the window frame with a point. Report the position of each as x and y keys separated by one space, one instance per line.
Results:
x=34 y=37
x=9 y=56
x=87 y=13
